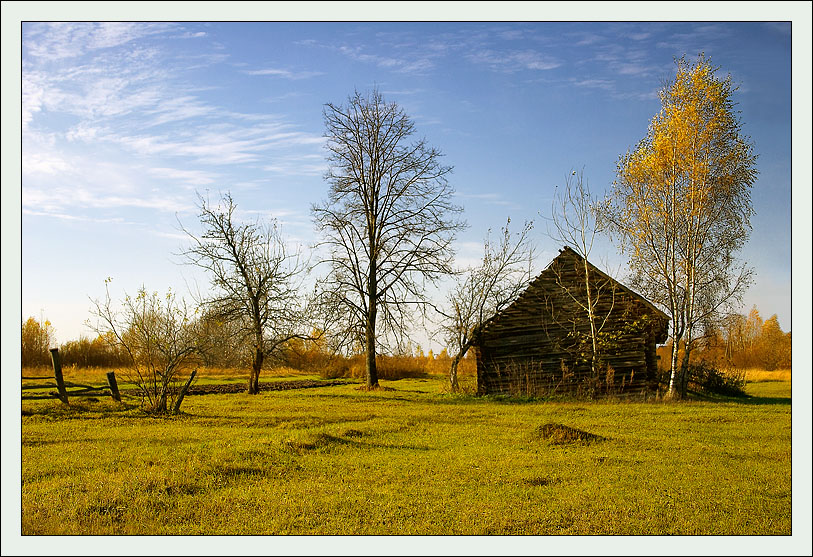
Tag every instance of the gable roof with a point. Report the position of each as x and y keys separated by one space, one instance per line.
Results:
x=566 y=250
x=602 y=274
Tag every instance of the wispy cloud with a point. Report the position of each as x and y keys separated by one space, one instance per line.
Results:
x=185 y=177
x=287 y=74
x=490 y=198
x=514 y=60
x=411 y=62
x=58 y=40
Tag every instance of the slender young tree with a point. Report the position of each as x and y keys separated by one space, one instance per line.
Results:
x=388 y=222
x=681 y=206
x=255 y=280
x=574 y=215
x=482 y=292
x=156 y=335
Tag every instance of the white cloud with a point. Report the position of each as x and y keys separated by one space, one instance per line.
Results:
x=287 y=74
x=514 y=60
x=186 y=177
x=58 y=40
x=42 y=163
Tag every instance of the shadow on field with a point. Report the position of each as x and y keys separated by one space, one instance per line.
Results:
x=749 y=400
x=324 y=440
x=763 y=400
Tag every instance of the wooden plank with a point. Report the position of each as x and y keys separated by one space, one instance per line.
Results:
x=60 y=382
x=87 y=390
x=114 y=386
x=38 y=378
x=48 y=386
x=83 y=393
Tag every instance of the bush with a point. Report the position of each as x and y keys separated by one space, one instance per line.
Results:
x=705 y=378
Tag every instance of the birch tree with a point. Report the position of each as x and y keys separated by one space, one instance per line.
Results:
x=388 y=221
x=576 y=223
x=681 y=206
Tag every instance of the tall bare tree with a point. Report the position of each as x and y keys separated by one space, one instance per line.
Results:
x=681 y=206
x=388 y=222
x=255 y=279
x=482 y=292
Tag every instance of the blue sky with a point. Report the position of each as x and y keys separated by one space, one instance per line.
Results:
x=109 y=130
x=122 y=123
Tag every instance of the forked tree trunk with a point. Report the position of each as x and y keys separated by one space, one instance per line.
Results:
x=453 y=383
x=256 y=367
x=178 y=401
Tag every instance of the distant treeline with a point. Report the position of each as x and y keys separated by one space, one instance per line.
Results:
x=741 y=342
x=220 y=347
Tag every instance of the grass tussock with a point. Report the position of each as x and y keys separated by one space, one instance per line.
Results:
x=558 y=434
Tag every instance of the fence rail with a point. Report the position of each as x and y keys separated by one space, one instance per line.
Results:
x=62 y=386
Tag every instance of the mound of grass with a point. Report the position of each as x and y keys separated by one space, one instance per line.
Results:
x=558 y=434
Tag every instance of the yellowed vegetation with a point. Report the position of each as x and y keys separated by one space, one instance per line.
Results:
x=756 y=375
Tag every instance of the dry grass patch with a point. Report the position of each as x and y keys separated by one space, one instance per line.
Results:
x=761 y=375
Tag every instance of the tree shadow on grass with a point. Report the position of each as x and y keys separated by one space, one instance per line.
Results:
x=764 y=400
x=749 y=400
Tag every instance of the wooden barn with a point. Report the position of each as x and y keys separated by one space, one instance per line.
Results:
x=542 y=343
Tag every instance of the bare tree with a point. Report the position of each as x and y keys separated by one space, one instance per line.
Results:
x=255 y=280
x=574 y=216
x=482 y=292
x=388 y=222
x=156 y=335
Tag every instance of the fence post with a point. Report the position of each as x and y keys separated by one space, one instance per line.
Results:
x=60 y=382
x=114 y=386
x=179 y=400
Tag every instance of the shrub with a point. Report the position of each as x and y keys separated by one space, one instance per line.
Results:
x=705 y=378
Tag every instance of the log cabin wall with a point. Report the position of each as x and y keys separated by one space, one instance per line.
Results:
x=541 y=344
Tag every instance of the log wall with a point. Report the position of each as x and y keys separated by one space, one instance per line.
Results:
x=540 y=344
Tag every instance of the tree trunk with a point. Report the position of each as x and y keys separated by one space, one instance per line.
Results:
x=369 y=337
x=369 y=330
x=684 y=374
x=178 y=401
x=674 y=379
x=257 y=365
x=453 y=384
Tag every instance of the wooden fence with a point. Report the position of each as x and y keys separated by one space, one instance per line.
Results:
x=62 y=392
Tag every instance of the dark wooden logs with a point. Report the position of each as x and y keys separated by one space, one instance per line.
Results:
x=541 y=343
x=114 y=386
x=60 y=382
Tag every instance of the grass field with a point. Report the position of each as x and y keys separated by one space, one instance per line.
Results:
x=411 y=460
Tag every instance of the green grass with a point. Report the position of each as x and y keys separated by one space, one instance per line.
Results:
x=411 y=460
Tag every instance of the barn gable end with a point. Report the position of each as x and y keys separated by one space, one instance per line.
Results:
x=540 y=344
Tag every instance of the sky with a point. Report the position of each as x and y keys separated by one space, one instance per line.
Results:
x=123 y=124
x=110 y=130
